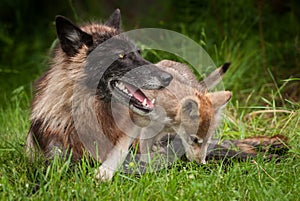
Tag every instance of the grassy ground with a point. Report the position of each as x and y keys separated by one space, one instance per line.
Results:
x=252 y=180
x=265 y=102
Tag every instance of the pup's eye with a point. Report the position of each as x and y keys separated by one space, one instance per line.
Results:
x=121 y=56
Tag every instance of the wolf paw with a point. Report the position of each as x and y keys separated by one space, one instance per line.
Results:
x=104 y=174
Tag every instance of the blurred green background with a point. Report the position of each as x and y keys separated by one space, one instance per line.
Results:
x=260 y=38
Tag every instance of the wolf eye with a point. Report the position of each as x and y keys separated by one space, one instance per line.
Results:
x=121 y=56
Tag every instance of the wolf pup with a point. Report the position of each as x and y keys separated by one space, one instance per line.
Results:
x=269 y=146
x=193 y=110
x=185 y=108
x=71 y=111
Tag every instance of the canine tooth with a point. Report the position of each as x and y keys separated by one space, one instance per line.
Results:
x=120 y=86
x=125 y=91
x=144 y=102
x=153 y=101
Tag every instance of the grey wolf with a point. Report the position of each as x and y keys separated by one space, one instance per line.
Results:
x=92 y=67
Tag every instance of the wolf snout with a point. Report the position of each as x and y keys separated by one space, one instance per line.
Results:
x=157 y=78
x=162 y=77
x=165 y=78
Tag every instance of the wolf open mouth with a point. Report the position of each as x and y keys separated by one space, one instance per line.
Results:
x=137 y=100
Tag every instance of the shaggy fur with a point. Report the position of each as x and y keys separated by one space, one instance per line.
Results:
x=209 y=115
x=72 y=107
x=185 y=109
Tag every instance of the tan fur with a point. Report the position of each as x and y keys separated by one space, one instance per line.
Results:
x=187 y=76
x=170 y=114
x=64 y=112
x=49 y=100
x=253 y=145
x=250 y=146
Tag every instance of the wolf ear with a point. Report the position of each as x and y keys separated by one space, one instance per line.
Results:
x=219 y=98
x=214 y=77
x=114 y=20
x=70 y=36
x=190 y=108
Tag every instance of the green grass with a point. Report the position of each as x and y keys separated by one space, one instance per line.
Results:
x=251 y=180
x=265 y=102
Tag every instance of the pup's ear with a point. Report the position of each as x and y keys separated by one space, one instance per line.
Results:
x=214 y=77
x=219 y=98
x=114 y=20
x=70 y=36
x=190 y=108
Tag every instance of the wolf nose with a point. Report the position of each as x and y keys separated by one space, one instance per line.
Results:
x=166 y=78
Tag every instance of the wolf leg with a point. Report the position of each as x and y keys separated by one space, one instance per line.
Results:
x=203 y=150
x=145 y=145
x=52 y=149
x=30 y=147
x=114 y=159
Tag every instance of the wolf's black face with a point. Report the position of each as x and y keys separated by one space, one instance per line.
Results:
x=129 y=73
x=114 y=65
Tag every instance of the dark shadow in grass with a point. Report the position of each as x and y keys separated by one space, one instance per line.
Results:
x=227 y=152
x=41 y=171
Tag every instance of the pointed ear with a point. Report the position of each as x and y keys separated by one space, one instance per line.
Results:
x=215 y=77
x=219 y=98
x=70 y=36
x=190 y=108
x=114 y=20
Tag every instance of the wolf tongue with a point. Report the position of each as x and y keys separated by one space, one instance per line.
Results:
x=138 y=94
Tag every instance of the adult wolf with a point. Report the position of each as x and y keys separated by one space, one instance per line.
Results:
x=91 y=66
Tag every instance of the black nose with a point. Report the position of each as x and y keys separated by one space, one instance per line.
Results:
x=165 y=78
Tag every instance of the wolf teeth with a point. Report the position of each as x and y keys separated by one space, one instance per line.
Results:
x=153 y=101
x=125 y=91
x=144 y=102
x=120 y=85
